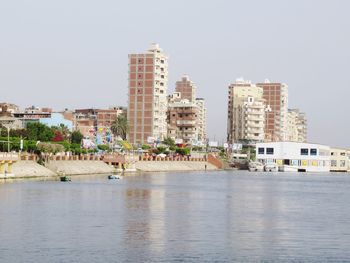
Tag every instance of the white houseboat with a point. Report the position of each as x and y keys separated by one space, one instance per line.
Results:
x=294 y=156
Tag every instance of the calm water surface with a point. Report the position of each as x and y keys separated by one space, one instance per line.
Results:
x=178 y=217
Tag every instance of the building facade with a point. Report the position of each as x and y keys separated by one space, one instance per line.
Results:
x=201 y=121
x=297 y=126
x=246 y=112
x=276 y=99
x=186 y=88
x=294 y=156
x=339 y=160
x=182 y=121
x=147 y=95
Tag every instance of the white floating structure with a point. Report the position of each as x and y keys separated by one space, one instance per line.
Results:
x=295 y=156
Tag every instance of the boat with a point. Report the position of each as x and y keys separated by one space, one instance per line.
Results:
x=256 y=167
x=65 y=179
x=239 y=164
x=112 y=176
x=271 y=167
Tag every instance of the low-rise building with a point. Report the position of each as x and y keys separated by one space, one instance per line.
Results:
x=93 y=123
x=295 y=156
x=7 y=109
x=339 y=160
x=57 y=119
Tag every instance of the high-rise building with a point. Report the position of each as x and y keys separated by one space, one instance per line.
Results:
x=187 y=88
x=182 y=121
x=147 y=102
x=297 y=126
x=246 y=112
x=276 y=99
x=201 y=121
x=187 y=114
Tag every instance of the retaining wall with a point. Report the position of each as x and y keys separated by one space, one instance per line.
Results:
x=79 y=167
x=163 y=166
x=30 y=169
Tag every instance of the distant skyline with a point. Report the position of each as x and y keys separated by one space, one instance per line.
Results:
x=74 y=54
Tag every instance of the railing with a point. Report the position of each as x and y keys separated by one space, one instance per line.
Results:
x=9 y=156
x=171 y=158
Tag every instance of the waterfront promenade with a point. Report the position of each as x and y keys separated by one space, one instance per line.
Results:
x=24 y=165
x=7 y=160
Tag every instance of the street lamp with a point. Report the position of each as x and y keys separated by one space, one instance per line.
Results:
x=8 y=138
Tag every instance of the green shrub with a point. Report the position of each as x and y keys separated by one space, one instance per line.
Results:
x=103 y=147
x=183 y=151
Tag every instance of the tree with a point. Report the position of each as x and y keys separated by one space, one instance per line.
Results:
x=58 y=137
x=63 y=130
x=39 y=132
x=169 y=141
x=76 y=137
x=120 y=126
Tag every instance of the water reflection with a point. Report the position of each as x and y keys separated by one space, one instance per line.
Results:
x=170 y=217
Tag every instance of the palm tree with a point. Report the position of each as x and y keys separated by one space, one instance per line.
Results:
x=120 y=126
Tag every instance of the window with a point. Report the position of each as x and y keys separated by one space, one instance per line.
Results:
x=269 y=150
x=261 y=150
x=333 y=163
x=286 y=162
x=304 y=151
x=342 y=163
x=313 y=151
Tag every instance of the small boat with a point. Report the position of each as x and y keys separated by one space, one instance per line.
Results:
x=239 y=164
x=113 y=177
x=271 y=167
x=65 y=179
x=256 y=167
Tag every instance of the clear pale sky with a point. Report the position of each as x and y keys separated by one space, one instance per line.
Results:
x=73 y=53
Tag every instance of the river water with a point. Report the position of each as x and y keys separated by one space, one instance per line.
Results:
x=178 y=217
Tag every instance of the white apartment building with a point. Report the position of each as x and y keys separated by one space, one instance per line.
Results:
x=339 y=160
x=246 y=112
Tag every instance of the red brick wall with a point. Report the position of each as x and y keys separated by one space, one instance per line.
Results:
x=215 y=161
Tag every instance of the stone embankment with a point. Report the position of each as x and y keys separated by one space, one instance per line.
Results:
x=30 y=169
x=163 y=166
x=79 y=167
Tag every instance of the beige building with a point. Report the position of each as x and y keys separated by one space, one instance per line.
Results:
x=201 y=121
x=339 y=160
x=147 y=96
x=276 y=99
x=297 y=126
x=246 y=112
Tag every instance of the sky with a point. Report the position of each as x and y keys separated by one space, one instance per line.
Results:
x=74 y=53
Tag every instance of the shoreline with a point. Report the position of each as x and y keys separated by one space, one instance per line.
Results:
x=55 y=169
